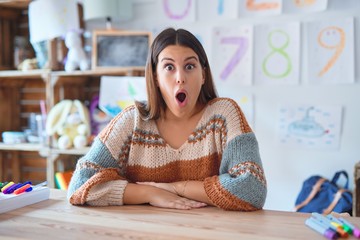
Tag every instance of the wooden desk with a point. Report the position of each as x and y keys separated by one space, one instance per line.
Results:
x=57 y=219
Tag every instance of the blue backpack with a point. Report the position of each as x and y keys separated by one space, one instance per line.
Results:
x=323 y=196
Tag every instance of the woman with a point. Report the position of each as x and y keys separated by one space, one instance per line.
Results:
x=185 y=148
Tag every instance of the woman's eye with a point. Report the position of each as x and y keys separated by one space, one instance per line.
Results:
x=189 y=66
x=169 y=67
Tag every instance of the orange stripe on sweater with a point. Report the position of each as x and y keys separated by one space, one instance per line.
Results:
x=223 y=198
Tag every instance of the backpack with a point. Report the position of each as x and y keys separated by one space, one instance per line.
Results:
x=320 y=195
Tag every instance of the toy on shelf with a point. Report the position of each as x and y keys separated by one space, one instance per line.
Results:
x=69 y=123
x=76 y=57
x=99 y=119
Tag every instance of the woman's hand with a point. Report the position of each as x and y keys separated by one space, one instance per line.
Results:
x=158 y=195
x=187 y=189
x=166 y=199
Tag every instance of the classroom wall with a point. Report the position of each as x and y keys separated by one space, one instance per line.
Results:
x=285 y=167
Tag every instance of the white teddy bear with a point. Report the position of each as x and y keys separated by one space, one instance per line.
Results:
x=69 y=122
x=76 y=57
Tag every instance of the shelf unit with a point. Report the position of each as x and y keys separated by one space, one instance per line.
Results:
x=20 y=95
x=54 y=86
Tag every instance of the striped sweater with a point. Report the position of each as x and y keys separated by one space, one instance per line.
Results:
x=222 y=152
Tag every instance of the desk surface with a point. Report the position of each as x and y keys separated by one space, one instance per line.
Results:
x=57 y=219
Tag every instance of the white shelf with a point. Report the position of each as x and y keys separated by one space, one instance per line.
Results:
x=21 y=146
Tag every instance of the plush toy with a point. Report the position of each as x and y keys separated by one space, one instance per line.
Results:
x=76 y=57
x=69 y=122
x=28 y=64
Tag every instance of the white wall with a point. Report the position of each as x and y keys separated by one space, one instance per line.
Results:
x=285 y=168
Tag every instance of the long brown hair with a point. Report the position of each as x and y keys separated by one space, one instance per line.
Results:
x=156 y=104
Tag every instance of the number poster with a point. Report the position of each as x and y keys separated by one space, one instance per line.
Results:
x=331 y=51
x=233 y=52
x=277 y=54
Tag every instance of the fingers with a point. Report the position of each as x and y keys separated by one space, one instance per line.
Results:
x=186 y=204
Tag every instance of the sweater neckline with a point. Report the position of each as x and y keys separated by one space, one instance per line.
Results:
x=184 y=144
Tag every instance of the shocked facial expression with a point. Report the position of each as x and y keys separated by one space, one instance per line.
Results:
x=179 y=76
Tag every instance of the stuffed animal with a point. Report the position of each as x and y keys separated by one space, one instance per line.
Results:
x=76 y=57
x=69 y=123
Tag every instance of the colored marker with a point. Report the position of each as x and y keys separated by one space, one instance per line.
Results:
x=12 y=188
x=327 y=221
x=6 y=186
x=338 y=223
x=320 y=228
x=22 y=189
x=355 y=230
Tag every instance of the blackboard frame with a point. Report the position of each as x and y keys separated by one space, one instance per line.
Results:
x=106 y=53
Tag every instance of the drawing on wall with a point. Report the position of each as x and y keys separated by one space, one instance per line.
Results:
x=331 y=51
x=277 y=55
x=175 y=10
x=310 y=126
x=119 y=92
x=217 y=10
x=246 y=103
x=260 y=7
x=232 y=50
x=304 y=6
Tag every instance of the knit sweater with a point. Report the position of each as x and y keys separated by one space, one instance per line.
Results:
x=222 y=152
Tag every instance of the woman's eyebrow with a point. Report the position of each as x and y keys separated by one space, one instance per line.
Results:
x=167 y=58
x=186 y=59
x=191 y=57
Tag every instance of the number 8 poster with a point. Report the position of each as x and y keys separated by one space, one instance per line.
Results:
x=331 y=51
x=277 y=54
x=232 y=55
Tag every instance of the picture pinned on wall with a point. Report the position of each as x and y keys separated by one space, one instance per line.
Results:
x=277 y=54
x=211 y=10
x=260 y=7
x=173 y=10
x=233 y=51
x=310 y=126
x=331 y=58
x=119 y=92
x=304 y=6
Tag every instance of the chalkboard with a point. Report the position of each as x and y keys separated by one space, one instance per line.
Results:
x=120 y=49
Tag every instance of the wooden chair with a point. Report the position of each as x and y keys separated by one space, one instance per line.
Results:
x=356 y=194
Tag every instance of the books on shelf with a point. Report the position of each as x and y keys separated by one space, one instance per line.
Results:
x=62 y=179
x=13 y=201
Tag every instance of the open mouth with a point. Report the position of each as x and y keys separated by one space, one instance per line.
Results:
x=181 y=96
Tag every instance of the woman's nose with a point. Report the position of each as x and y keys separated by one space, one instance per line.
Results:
x=180 y=78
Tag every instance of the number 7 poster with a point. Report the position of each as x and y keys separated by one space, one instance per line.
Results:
x=233 y=54
x=331 y=51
